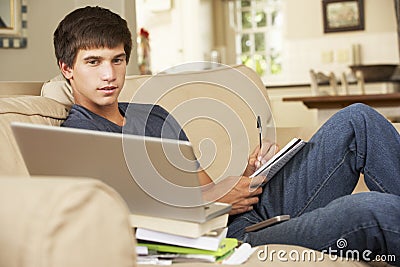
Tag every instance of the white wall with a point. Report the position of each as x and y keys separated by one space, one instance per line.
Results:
x=185 y=33
x=180 y=34
x=37 y=62
x=306 y=45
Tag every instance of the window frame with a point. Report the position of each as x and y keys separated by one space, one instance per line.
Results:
x=268 y=7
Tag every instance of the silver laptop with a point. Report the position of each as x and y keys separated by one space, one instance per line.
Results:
x=156 y=177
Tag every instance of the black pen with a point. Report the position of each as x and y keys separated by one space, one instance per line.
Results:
x=259 y=127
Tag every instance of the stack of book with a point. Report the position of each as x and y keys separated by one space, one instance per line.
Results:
x=164 y=241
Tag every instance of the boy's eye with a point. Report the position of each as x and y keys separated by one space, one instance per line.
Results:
x=93 y=62
x=118 y=60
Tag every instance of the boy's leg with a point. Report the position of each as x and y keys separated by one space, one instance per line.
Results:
x=356 y=139
x=363 y=226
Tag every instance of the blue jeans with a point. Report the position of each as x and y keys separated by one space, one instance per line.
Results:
x=315 y=188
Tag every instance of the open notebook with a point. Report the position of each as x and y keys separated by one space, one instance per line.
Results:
x=272 y=166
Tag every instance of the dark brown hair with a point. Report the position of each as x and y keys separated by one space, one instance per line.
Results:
x=90 y=27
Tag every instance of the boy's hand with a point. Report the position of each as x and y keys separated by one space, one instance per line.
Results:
x=260 y=156
x=240 y=196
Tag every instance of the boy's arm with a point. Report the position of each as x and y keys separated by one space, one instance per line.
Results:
x=232 y=190
x=241 y=192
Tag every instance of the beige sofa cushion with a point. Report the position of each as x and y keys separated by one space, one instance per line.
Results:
x=30 y=109
x=63 y=222
x=58 y=89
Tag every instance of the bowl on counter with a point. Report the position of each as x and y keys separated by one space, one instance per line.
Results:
x=376 y=72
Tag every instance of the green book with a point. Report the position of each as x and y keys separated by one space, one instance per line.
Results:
x=226 y=245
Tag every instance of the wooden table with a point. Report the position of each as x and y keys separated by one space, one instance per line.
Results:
x=387 y=104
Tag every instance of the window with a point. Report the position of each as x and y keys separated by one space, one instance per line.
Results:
x=258 y=29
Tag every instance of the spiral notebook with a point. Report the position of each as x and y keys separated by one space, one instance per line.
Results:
x=272 y=166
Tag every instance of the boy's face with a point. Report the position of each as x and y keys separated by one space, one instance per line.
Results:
x=97 y=76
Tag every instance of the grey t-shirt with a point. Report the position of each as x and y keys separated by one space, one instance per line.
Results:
x=140 y=119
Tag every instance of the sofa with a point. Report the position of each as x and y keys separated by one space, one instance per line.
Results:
x=63 y=221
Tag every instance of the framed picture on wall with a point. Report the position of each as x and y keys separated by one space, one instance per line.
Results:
x=13 y=29
x=343 y=15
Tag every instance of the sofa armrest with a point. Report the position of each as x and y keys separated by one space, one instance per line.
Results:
x=285 y=134
x=397 y=126
x=63 y=222
x=29 y=109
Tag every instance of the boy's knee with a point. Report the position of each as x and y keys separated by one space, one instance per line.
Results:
x=373 y=203
x=358 y=108
x=361 y=112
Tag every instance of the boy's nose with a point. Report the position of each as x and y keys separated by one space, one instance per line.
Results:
x=108 y=72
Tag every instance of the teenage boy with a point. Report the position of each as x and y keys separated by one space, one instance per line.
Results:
x=93 y=46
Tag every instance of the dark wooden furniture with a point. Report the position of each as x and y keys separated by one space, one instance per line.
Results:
x=334 y=102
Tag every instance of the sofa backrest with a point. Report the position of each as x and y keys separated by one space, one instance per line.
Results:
x=20 y=88
x=29 y=109
x=217 y=108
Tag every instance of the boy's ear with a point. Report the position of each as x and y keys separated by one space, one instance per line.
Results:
x=66 y=70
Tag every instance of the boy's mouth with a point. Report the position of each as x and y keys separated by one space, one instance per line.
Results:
x=108 y=89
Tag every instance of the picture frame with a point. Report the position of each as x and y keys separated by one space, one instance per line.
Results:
x=13 y=32
x=343 y=15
